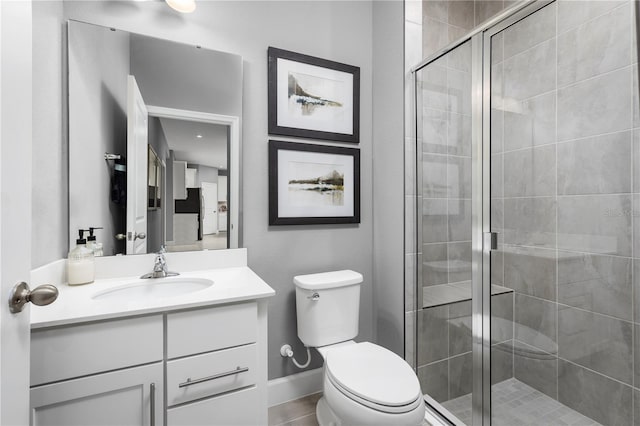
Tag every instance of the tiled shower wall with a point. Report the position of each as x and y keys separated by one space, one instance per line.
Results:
x=565 y=169
x=566 y=200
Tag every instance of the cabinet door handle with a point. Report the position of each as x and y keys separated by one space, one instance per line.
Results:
x=152 y=404
x=190 y=382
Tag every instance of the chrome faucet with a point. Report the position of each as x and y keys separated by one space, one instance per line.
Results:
x=160 y=269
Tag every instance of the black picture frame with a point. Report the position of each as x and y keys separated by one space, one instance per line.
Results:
x=276 y=127
x=349 y=159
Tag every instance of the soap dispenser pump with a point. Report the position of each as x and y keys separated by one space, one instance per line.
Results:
x=92 y=244
x=80 y=262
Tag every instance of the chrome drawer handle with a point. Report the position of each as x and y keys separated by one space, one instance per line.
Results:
x=190 y=382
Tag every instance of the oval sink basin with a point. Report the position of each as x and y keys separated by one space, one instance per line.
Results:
x=158 y=288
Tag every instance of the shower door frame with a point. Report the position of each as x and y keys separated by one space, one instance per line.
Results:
x=481 y=235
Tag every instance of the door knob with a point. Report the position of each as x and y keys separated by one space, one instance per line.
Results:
x=41 y=295
x=121 y=237
x=132 y=236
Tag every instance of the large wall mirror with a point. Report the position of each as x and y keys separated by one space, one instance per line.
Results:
x=154 y=142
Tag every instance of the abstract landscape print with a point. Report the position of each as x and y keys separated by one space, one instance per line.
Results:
x=313 y=97
x=313 y=184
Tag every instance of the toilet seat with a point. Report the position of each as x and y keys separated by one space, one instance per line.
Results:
x=374 y=377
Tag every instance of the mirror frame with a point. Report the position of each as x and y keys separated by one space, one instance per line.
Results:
x=233 y=123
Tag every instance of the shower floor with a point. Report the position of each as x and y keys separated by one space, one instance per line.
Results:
x=515 y=403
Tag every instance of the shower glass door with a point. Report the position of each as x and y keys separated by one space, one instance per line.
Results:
x=563 y=85
x=444 y=343
x=530 y=130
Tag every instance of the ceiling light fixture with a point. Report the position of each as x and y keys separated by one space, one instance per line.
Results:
x=183 y=6
x=199 y=136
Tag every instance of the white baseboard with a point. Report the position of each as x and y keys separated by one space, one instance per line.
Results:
x=294 y=386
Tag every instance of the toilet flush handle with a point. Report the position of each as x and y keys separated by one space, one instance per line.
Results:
x=314 y=297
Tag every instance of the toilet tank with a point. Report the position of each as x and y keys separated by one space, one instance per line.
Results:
x=327 y=307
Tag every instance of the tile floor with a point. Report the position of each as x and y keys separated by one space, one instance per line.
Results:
x=300 y=412
x=515 y=403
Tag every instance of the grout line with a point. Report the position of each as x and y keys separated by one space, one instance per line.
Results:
x=557 y=261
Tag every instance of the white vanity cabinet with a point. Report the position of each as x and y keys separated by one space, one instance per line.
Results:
x=113 y=372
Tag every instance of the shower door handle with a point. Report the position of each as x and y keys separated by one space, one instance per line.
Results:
x=491 y=240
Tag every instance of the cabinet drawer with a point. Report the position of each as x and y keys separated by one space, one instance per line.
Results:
x=210 y=374
x=237 y=408
x=206 y=330
x=74 y=351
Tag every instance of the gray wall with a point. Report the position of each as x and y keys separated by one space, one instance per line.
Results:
x=50 y=155
x=388 y=179
x=343 y=31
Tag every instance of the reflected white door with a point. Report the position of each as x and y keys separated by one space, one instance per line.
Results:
x=15 y=204
x=209 y=208
x=137 y=163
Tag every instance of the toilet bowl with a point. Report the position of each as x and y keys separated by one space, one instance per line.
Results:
x=366 y=384
x=363 y=383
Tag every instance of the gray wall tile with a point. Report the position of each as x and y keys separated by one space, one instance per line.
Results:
x=460 y=377
x=459 y=220
x=460 y=57
x=530 y=74
x=497 y=267
x=434 y=380
x=596 y=165
x=497 y=121
x=459 y=328
x=536 y=369
x=530 y=271
x=461 y=14
x=636 y=158
x=434 y=221
x=486 y=9
x=434 y=36
x=436 y=9
x=636 y=356
x=501 y=318
x=596 y=283
x=501 y=362
x=596 y=396
x=409 y=282
x=595 y=224
x=433 y=85
x=530 y=172
x=433 y=342
x=535 y=322
x=459 y=91
x=434 y=264
x=598 y=342
x=458 y=177
x=434 y=176
x=459 y=134
x=595 y=106
x=532 y=30
x=530 y=221
x=596 y=47
x=459 y=255
x=574 y=13
x=435 y=124
x=530 y=123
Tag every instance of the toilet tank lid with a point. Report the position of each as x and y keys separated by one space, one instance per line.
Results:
x=327 y=280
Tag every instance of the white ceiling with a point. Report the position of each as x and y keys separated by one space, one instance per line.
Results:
x=210 y=150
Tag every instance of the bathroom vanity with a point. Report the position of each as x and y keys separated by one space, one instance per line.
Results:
x=182 y=354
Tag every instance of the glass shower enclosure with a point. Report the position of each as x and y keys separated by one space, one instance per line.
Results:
x=528 y=177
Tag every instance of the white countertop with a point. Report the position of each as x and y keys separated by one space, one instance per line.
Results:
x=76 y=305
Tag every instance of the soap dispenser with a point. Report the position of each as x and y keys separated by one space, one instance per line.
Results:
x=92 y=244
x=80 y=262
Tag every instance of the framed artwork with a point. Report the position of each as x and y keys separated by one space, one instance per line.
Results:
x=154 y=180
x=313 y=184
x=313 y=98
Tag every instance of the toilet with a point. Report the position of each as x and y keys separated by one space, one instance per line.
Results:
x=363 y=383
